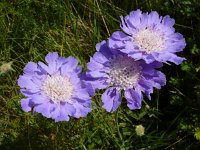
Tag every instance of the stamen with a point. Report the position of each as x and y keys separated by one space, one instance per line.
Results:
x=124 y=72
x=149 y=40
x=57 y=88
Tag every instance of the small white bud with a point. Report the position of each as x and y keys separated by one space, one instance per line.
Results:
x=139 y=129
x=5 y=67
x=147 y=106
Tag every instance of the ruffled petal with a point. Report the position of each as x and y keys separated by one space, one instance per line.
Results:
x=167 y=21
x=100 y=45
x=136 y=55
x=44 y=68
x=100 y=58
x=45 y=109
x=62 y=114
x=38 y=99
x=69 y=108
x=94 y=65
x=25 y=81
x=78 y=69
x=30 y=68
x=111 y=99
x=124 y=26
x=70 y=66
x=72 y=62
x=119 y=35
x=114 y=44
x=153 y=18
x=145 y=84
x=144 y=20
x=149 y=58
x=96 y=83
x=26 y=104
x=134 y=18
x=51 y=59
x=97 y=74
x=88 y=85
x=60 y=62
x=164 y=57
x=134 y=99
x=159 y=80
x=155 y=64
x=81 y=94
x=175 y=59
x=55 y=112
x=81 y=111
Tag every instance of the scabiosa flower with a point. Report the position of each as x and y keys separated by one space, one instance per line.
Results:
x=115 y=71
x=149 y=37
x=54 y=89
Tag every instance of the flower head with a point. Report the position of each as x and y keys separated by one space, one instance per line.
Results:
x=6 y=67
x=149 y=37
x=54 y=89
x=139 y=129
x=115 y=71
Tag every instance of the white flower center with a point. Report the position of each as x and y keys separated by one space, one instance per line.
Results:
x=57 y=88
x=149 y=40
x=124 y=72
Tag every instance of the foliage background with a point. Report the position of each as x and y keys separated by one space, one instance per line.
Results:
x=29 y=29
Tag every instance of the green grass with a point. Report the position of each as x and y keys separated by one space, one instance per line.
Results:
x=29 y=29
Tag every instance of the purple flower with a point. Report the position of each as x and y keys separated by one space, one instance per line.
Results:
x=149 y=37
x=115 y=71
x=54 y=89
